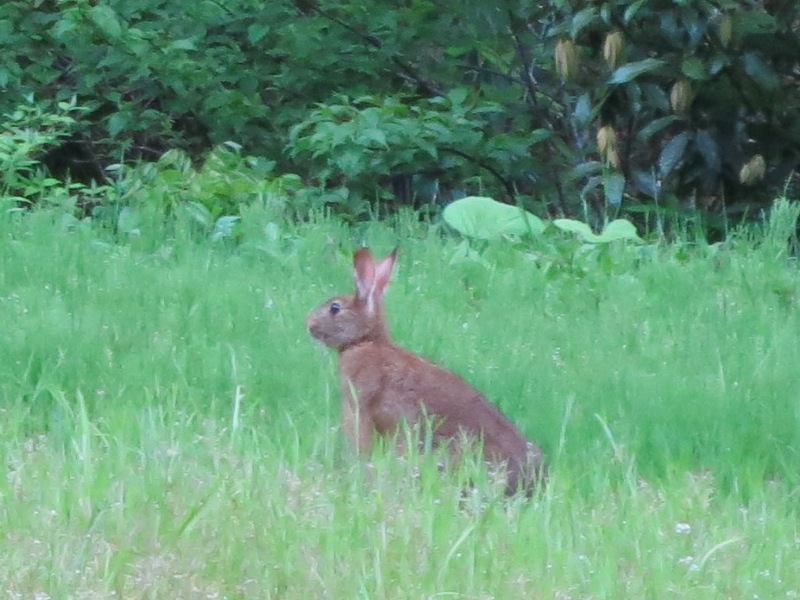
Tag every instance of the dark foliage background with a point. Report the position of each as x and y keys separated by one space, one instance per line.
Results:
x=565 y=107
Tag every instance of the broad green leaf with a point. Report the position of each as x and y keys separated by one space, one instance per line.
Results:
x=62 y=27
x=458 y=95
x=656 y=126
x=647 y=182
x=256 y=32
x=586 y=169
x=117 y=123
x=187 y=44
x=428 y=148
x=694 y=68
x=373 y=137
x=106 y=20
x=197 y=212
x=754 y=22
x=464 y=253
x=619 y=229
x=224 y=227
x=486 y=219
x=631 y=71
x=657 y=96
x=457 y=51
x=128 y=221
x=709 y=150
x=605 y=14
x=630 y=12
x=591 y=186
x=695 y=26
x=573 y=226
x=760 y=72
x=6 y=30
x=583 y=19
x=717 y=63
x=614 y=187
x=583 y=114
x=539 y=135
x=673 y=152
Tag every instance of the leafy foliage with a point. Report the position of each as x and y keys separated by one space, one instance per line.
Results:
x=27 y=134
x=367 y=141
x=618 y=229
x=484 y=220
x=568 y=108
x=225 y=180
x=210 y=196
x=155 y=74
x=487 y=219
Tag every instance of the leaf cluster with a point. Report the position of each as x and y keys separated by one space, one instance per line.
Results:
x=571 y=109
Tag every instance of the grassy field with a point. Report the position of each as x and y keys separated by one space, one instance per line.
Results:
x=169 y=430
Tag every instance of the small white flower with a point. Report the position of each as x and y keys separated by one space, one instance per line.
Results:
x=683 y=528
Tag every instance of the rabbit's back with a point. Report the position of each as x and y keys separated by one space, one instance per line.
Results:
x=384 y=385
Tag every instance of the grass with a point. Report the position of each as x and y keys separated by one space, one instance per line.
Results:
x=170 y=431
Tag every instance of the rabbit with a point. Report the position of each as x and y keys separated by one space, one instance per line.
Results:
x=383 y=385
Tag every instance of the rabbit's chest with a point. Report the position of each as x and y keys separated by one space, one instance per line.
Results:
x=380 y=385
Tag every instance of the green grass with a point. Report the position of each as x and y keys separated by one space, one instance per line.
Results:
x=170 y=431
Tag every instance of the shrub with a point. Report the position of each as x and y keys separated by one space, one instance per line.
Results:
x=563 y=107
x=668 y=105
x=27 y=134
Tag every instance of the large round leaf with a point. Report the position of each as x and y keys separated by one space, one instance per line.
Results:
x=620 y=229
x=486 y=219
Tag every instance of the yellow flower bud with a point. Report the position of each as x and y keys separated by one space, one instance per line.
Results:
x=681 y=96
x=607 y=146
x=725 y=30
x=614 y=48
x=753 y=170
x=566 y=55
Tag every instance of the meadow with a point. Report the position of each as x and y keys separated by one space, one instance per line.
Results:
x=169 y=429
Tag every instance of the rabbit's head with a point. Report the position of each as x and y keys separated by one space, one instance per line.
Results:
x=344 y=321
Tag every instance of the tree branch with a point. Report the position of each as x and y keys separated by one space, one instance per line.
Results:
x=507 y=184
x=408 y=72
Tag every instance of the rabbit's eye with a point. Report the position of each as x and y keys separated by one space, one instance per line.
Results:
x=335 y=308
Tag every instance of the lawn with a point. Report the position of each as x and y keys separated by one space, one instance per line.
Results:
x=170 y=430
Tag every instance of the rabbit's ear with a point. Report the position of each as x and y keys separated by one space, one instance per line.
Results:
x=372 y=279
x=364 y=266
x=383 y=273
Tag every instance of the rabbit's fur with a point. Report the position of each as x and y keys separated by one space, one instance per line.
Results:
x=384 y=385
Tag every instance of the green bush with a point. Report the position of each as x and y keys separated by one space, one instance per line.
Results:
x=569 y=108
x=672 y=105
x=209 y=195
x=27 y=134
x=694 y=104
x=366 y=141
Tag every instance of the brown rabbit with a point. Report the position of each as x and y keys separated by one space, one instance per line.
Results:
x=384 y=385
